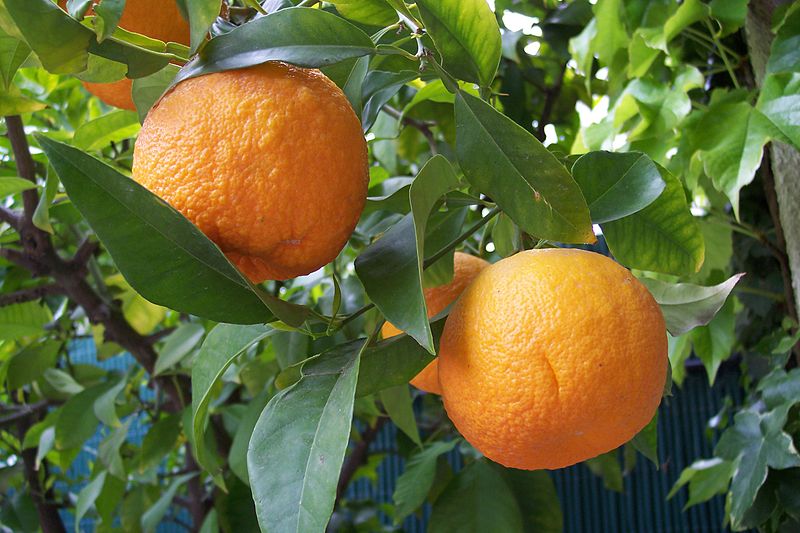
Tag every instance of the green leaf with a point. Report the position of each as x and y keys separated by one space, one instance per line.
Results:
x=163 y=255
x=202 y=13
x=388 y=363
x=77 y=422
x=646 y=441
x=398 y=404
x=41 y=216
x=686 y=306
x=23 y=320
x=13 y=54
x=780 y=388
x=105 y=406
x=608 y=468
x=147 y=90
x=301 y=36
x=377 y=89
x=611 y=35
x=152 y=517
x=507 y=163
x=616 y=185
x=222 y=345
x=729 y=13
x=399 y=254
x=755 y=443
x=106 y=129
x=477 y=500
x=714 y=342
x=505 y=236
x=414 y=484
x=62 y=382
x=467 y=36
x=662 y=237
x=108 y=13
x=12 y=102
x=87 y=497
x=537 y=499
x=46 y=443
x=706 y=478
x=159 y=441
x=299 y=442
x=779 y=101
x=30 y=363
x=370 y=12
x=12 y=185
x=237 y=457
x=177 y=346
x=108 y=450
x=784 y=55
x=62 y=43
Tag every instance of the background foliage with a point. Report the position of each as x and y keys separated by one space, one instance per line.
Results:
x=491 y=129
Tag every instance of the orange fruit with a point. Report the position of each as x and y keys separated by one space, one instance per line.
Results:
x=158 y=19
x=551 y=357
x=269 y=162
x=465 y=268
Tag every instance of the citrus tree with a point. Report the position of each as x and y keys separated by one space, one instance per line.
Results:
x=285 y=213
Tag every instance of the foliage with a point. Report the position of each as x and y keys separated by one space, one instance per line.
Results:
x=489 y=130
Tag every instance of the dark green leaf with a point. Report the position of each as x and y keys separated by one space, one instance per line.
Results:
x=152 y=517
x=159 y=442
x=607 y=467
x=780 y=388
x=729 y=13
x=108 y=13
x=616 y=185
x=646 y=441
x=466 y=34
x=399 y=254
x=147 y=90
x=754 y=443
x=714 y=342
x=76 y=422
x=301 y=36
x=416 y=481
x=237 y=457
x=785 y=53
x=398 y=404
x=477 y=500
x=177 y=346
x=686 y=306
x=377 y=89
x=105 y=406
x=163 y=255
x=30 y=363
x=662 y=237
x=507 y=163
x=222 y=345
x=537 y=499
x=706 y=479
x=779 y=101
x=298 y=444
x=202 y=13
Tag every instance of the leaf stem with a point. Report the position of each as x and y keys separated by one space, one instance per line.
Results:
x=723 y=54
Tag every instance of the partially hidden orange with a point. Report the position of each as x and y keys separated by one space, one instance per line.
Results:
x=465 y=268
x=551 y=357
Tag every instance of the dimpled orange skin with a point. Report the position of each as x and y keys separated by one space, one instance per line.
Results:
x=465 y=268
x=269 y=162
x=552 y=357
x=159 y=19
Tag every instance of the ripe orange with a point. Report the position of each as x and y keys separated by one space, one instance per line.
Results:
x=465 y=268
x=159 y=19
x=269 y=162
x=551 y=357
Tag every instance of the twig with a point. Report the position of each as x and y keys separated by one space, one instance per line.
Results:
x=86 y=251
x=27 y=295
x=23 y=411
x=551 y=97
x=10 y=217
x=421 y=125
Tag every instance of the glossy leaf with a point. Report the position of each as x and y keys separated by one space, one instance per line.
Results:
x=301 y=36
x=779 y=101
x=416 y=481
x=507 y=163
x=662 y=237
x=371 y=12
x=178 y=345
x=147 y=90
x=466 y=34
x=107 y=15
x=465 y=507
x=398 y=404
x=706 y=479
x=686 y=306
x=399 y=254
x=616 y=185
x=294 y=487
x=163 y=255
x=222 y=345
x=780 y=388
x=784 y=55
x=202 y=13
x=102 y=131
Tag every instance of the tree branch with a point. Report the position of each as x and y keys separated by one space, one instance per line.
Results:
x=10 y=217
x=27 y=295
